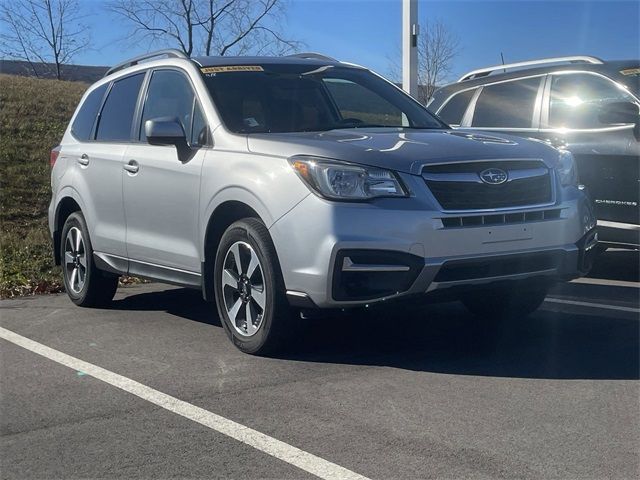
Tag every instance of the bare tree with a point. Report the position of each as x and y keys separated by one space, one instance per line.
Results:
x=252 y=26
x=437 y=49
x=211 y=27
x=168 y=21
x=213 y=12
x=42 y=31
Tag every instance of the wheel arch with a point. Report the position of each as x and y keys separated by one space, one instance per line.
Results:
x=224 y=215
x=66 y=206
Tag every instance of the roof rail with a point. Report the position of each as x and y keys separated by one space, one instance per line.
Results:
x=483 y=72
x=312 y=55
x=169 y=53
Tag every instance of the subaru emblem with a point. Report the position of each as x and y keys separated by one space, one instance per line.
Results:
x=493 y=176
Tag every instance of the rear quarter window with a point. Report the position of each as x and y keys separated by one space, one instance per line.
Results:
x=83 y=123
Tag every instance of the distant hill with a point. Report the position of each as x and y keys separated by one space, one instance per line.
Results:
x=76 y=73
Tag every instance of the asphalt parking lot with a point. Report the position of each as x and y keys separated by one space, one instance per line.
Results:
x=411 y=393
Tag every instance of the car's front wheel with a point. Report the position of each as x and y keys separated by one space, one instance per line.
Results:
x=503 y=302
x=249 y=289
x=86 y=285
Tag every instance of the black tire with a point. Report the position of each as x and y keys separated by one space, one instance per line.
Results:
x=98 y=287
x=496 y=303
x=274 y=326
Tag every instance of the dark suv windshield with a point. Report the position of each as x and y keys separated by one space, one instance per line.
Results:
x=631 y=78
x=301 y=98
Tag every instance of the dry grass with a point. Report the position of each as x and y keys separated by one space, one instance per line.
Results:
x=33 y=116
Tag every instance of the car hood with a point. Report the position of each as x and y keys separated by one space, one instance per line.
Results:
x=406 y=151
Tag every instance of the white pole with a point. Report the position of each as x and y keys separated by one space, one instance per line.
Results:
x=410 y=47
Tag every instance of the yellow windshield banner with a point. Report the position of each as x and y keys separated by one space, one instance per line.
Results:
x=630 y=71
x=233 y=68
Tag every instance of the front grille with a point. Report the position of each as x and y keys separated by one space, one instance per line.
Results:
x=502 y=218
x=458 y=186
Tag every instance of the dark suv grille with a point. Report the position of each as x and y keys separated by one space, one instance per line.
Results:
x=459 y=187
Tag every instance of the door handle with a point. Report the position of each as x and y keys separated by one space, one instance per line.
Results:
x=84 y=160
x=132 y=167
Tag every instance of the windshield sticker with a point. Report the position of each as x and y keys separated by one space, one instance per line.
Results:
x=630 y=71
x=233 y=68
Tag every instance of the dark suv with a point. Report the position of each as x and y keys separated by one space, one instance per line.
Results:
x=584 y=104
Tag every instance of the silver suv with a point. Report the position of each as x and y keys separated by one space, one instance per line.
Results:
x=277 y=185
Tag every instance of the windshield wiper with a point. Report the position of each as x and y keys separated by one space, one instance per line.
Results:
x=360 y=125
x=375 y=125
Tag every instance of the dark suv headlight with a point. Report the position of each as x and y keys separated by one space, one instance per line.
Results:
x=346 y=181
x=567 y=170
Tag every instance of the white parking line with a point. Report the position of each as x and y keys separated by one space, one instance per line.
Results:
x=269 y=445
x=593 y=305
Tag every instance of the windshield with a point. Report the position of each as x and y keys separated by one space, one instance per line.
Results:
x=303 y=98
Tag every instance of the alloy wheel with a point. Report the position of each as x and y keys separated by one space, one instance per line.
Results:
x=243 y=288
x=75 y=259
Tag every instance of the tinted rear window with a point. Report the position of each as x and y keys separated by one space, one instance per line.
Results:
x=117 y=114
x=508 y=104
x=454 y=109
x=86 y=117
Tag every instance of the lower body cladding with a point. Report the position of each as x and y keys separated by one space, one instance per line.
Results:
x=339 y=255
x=618 y=234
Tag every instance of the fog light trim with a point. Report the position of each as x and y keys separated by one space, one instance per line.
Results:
x=349 y=266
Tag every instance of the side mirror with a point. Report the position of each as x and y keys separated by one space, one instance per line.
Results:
x=620 y=112
x=168 y=131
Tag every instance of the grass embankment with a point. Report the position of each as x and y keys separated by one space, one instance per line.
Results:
x=33 y=116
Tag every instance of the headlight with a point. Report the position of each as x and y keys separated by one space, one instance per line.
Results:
x=346 y=181
x=567 y=170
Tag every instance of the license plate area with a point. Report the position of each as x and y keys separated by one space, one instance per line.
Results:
x=508 y=233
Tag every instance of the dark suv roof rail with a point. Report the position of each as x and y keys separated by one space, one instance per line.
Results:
x=483 y=72
x=169 y=53
x=312 y=55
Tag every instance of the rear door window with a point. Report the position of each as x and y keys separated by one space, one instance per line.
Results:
x=116 y=117
x=454 y=109
x=507 y=105
x=577 y=100
x=83 y=123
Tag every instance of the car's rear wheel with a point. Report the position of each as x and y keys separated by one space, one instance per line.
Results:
x=86 y=285
x=504 y=302
x=249 y=289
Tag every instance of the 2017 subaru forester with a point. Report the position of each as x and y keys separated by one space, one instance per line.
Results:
x=275 y=184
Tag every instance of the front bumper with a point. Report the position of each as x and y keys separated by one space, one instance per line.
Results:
x=347 y=254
